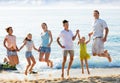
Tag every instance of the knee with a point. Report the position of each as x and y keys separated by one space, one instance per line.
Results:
x=64 y=61
x=34 y=63
x=29 y=64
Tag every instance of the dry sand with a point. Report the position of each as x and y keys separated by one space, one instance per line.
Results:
x=111 y=75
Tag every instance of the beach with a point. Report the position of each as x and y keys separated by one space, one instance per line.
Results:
x=98 y=75
x=26 y=16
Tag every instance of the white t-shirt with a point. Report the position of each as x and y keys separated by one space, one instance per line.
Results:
x=67 y=39
x=11 y=41
x=29 y=45
x=98 y=27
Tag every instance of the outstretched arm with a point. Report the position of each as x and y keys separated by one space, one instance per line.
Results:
x=74 y=37
x=58 y=41
x=91 y=33
x=88 y=39
x=22 y=45
x=35 y=48
x=79 y=38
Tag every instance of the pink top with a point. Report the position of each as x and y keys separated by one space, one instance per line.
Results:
x=11 y=41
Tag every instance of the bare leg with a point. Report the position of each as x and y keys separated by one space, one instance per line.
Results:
x=70 y=63
x=47 y=55
x=63 y=64
x=11 y=61
x=86 y=62
x=15 y=59
x=27 y=67
x=106 y=54
x=33 y=63
x=82 y=65
x=41 y=59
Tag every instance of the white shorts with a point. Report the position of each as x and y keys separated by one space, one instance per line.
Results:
x=98 y=46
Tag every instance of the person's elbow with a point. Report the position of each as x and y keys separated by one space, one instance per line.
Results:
x=107 y=29
x=58 y=39
x=73 y=38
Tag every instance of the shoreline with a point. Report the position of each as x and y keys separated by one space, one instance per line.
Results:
x=111 y=75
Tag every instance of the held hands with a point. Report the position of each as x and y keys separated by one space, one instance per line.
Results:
x=104 y=39
x=77 y=31
x=62 y=46
x=89 y=34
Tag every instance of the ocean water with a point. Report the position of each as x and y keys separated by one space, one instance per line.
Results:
x=29 y=20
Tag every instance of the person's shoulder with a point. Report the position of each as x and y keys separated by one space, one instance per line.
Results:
x=14 y=36
x=49 y=31
x=62 y=31
x=70 y=30
x=101 y=20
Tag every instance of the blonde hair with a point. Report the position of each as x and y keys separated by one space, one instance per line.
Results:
x=26 y=38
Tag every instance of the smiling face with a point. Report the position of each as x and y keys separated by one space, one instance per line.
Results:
x=96 y=14
x=29 y=36
x=83 y=39
x=44 y=26
x=66 y=25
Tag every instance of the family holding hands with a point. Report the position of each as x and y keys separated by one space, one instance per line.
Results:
x=67 y=36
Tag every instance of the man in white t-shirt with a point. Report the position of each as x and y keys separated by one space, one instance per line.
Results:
x=67 y=44
x=99 y=37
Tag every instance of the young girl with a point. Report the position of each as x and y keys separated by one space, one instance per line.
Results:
x=84 y=56
x=30 y=58
x=10 y=45
x=45 y=49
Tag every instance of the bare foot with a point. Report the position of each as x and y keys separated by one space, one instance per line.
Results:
x=51 y=64
x=109 y=58
x=5 y=60
x=89 y=72
x=68 y=77
x=82 y=72
x=48 y=64
x=25 y=72
x=67 y=72
x=62 y=76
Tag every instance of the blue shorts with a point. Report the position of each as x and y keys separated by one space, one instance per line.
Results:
x=28 y=54
x=11 y=53
x=45 y=49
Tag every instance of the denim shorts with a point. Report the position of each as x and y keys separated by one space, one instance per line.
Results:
x=45 y=49
x=28 y=54
x=11 y=53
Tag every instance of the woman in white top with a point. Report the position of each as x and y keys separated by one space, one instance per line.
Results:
x=10 y=45
x=29 y=56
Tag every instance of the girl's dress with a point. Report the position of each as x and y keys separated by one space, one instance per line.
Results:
x=83 y=52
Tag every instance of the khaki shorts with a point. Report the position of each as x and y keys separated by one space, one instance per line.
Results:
x=98 y=46
x=65 y=52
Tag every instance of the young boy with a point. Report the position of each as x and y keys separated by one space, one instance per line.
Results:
x=67 y=46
